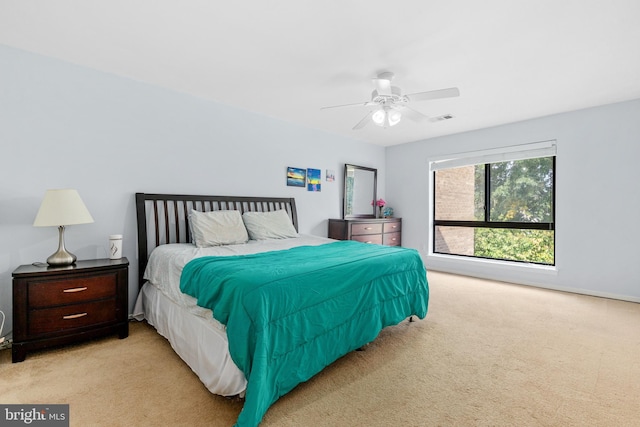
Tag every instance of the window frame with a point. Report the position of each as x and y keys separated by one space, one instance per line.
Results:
x=487 y=223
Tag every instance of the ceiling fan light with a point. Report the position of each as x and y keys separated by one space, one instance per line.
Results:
x=394 y=117
x=379 y=117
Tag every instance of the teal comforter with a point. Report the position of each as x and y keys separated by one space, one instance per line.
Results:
x=290 y=313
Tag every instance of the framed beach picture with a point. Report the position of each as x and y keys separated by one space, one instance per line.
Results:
x=313 y=179
x=296 y=177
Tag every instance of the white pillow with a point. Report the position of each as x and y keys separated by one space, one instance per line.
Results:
x=217 y=228
x=269 y=225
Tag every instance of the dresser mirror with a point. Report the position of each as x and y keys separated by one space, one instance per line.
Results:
x=359 y=191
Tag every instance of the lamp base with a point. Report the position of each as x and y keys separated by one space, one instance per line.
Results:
x=61 y=257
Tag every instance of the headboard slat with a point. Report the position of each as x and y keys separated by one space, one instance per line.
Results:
x=166 y=222
x=175 y=213
x=149 y=217
x=155 y=224
x=186 y=222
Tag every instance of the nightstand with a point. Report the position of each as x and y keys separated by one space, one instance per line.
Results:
x=54 y=306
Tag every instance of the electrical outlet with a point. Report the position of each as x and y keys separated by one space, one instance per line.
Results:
x=6 y=344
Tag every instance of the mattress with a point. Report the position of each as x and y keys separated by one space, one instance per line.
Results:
x=194 y=334
x=200 y=342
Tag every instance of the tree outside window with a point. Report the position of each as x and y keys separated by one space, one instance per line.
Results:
x=502 y=210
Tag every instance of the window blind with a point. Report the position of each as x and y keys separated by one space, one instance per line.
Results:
x=495 y=155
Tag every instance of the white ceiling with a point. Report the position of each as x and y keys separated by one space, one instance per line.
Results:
x=511 y=59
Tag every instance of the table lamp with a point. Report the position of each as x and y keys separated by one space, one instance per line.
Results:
x=60 y=208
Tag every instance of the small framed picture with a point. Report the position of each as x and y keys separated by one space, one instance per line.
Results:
x=296 y=177
x=314 y=179
x=330 y=175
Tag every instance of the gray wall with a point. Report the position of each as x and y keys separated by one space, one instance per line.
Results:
x=64 y=126
x=597 y=195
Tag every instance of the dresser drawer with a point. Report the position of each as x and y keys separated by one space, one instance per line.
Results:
x=392 y=227
x=60 y=292
x=391 y=239
x=72 y=316
x=373 y=238
x=366 y=228
x=381 y=231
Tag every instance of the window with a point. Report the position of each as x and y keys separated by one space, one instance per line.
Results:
x=501 y=210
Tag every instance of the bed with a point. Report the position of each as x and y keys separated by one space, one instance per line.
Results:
x=256 y=317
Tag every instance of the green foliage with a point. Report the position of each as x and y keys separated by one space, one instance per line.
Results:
x=515 y=245
x=349 y=195
x=520 y=191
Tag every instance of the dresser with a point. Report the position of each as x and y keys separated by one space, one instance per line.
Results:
x=60 y=305
x=381 y=231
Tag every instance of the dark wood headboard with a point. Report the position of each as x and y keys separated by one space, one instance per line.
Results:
x=164 y=218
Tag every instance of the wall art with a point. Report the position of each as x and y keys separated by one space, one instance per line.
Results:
x=296 y=177
x=313 y=179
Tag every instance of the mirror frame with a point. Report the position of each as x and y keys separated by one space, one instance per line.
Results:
x=347 y=167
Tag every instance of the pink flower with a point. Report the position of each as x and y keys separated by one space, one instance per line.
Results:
x=380 y=202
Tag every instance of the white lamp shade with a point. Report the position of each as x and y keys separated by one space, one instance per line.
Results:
x=378 y=117
x=394 y=116
x=386 y=116
x=62 y=207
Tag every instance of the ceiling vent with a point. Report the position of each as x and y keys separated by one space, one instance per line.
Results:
x=442 y=117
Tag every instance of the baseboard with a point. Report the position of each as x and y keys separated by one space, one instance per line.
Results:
x=579 y=291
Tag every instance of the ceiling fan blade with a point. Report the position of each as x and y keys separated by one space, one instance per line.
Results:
x=383 y=86
x=362 y=123
x=358 y=104
x=412 y=114
x=434 y=94
x=418 y=117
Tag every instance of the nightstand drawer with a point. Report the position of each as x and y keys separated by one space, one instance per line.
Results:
x=51 y=293
x=391 y=239
x=72 y=316
x=374 y=238
x=365 y=228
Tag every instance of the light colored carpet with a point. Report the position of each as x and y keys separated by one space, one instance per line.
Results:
x=487 y=354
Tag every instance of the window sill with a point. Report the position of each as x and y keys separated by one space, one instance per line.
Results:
x=489 y=268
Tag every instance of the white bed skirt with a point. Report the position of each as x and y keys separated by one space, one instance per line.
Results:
x=200 y=342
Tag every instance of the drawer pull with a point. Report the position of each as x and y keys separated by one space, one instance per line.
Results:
x=84 y=288
x=369 y=241
x=394 y=226
x=368 y=228
x=74 y=316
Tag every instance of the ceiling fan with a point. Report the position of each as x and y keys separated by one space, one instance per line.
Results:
x=389 y=105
